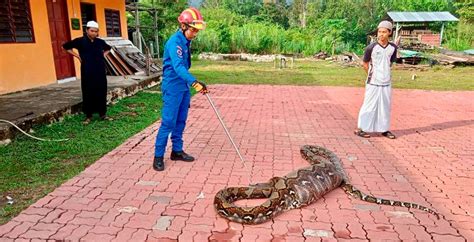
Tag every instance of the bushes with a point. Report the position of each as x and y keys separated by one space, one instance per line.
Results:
x=253 y=37
x=460 y=37
x=229 y=32
x=333 y=26
x=268 y=38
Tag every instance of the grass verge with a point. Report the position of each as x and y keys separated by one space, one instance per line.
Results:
x=323 y=73
x=31 y=169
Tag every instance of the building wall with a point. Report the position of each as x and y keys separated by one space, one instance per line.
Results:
x=29 y=65
x=74 y=11
x=430 y=39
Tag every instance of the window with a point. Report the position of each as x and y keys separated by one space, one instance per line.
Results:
x=87 y=14
x=112 y=22
x=15 y=22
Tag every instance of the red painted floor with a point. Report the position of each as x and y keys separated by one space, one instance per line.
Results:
x=120 y=197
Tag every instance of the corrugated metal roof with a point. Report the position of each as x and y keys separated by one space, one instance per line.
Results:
x=421 y=16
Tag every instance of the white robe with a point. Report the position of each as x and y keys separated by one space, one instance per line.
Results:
x=374 y=115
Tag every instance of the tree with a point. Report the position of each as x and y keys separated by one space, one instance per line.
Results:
x=460 y=36
x=273 y=13
x=212 y=4
x=167 y=14
x=247 y=8
x=298 y=12
x=465 y=10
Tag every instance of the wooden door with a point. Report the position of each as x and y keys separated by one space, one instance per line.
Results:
x=59 y=29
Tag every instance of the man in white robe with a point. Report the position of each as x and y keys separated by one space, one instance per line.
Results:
x=374 y=115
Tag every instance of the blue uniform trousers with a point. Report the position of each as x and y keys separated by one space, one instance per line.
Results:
x=173 y=120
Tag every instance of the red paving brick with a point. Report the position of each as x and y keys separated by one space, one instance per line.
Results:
x=121 y=198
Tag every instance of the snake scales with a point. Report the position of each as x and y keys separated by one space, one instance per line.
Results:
x=296 y=189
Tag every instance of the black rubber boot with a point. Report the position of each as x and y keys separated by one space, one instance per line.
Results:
x=158 y=164
x=181 y=155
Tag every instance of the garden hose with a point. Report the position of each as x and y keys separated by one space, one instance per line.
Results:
x=31 y=136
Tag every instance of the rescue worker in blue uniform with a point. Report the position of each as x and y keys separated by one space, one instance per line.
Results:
x=175 y=87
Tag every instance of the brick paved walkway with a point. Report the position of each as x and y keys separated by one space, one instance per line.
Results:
x=120 y=197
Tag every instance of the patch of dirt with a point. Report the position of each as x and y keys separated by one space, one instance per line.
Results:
x=132 y=114
x=135 y=105
x=22 y=198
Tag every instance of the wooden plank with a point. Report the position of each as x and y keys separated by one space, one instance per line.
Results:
x=109 y=69
x=122 y=63
x=123 y=53
x=111 y=66
x=129 y=56
x=119 y=65
x=118 y=41
x=116 y=65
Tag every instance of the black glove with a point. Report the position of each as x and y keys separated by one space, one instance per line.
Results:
x=200 y=87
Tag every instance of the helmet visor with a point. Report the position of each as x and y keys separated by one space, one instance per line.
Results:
x=198 y=24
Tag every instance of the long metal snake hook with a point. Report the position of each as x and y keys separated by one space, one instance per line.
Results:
x=201 y=194
x=225 y=128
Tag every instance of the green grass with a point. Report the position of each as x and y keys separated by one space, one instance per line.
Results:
x=31 y=169
x=323 y=73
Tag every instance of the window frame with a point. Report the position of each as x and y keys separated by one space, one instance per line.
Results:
x=94 y=17
x=12 y=29
x=119 y=22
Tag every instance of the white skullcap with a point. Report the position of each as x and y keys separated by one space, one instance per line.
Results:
x=385 y=24
x=92 y=24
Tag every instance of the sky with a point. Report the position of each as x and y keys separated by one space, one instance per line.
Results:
x=195 y=3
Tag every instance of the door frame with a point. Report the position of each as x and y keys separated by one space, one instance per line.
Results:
x=72 y=76
x=94 y=17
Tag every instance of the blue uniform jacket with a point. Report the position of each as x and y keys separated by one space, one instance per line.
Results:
x=176 y=62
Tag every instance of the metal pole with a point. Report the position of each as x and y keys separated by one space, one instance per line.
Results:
x=155 y=30
x=396 y=32
x=137 y=27
x=441 y=35
x=225 y=128
x=152 y=49
x=303 y=21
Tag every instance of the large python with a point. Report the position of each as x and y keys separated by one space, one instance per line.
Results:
x=298 y=188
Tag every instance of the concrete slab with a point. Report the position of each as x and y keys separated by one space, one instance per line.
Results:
x=48 y=104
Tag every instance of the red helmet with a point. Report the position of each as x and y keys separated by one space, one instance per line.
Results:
x=193 y=18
